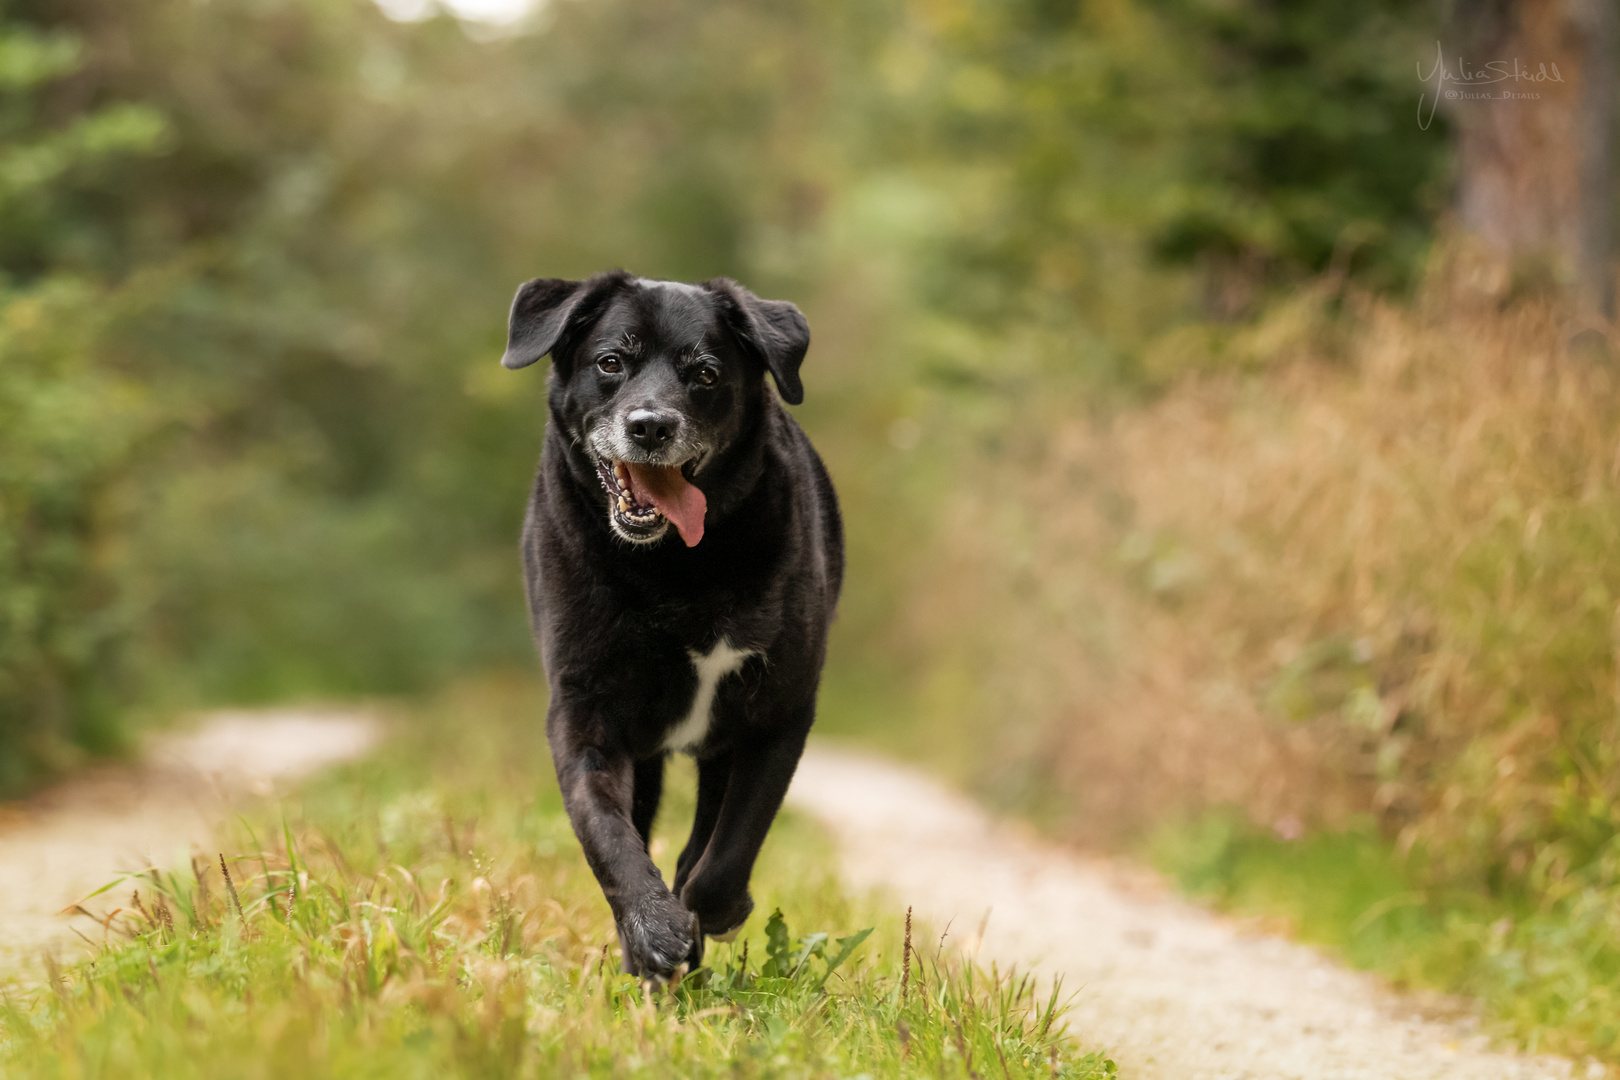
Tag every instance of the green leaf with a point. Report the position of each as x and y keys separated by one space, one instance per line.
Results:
x=113 y=884
x=846 y=946
x=778 y=946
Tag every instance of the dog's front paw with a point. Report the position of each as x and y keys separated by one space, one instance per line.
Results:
x=658 y=935
x=720 y=916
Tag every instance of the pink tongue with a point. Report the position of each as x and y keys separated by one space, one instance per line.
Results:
x=676 y=499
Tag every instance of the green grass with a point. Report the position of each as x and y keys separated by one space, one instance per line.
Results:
x=427 y=913
x=1546 y=966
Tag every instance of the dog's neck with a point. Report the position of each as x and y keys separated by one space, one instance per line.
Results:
x=735 y=471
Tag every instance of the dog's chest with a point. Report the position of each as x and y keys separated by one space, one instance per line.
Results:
x=711 y=667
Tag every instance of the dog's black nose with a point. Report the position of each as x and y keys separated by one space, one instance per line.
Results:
x=650 y=430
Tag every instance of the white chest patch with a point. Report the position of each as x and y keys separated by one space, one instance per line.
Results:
x=722 y=660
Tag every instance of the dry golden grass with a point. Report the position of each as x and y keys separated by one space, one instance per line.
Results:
x=1356 y=558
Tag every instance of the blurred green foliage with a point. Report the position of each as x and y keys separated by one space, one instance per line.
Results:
x=255 y=257
x=67 y=421
x=1091 y=147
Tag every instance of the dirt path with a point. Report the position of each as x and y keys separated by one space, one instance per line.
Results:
x=78 y=836
x=1175 y=992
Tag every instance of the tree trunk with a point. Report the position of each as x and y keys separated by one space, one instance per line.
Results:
x=1531 y=93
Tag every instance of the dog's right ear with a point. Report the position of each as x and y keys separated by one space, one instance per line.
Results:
x=540 y=313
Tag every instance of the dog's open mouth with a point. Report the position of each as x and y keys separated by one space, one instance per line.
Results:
x=644 y=497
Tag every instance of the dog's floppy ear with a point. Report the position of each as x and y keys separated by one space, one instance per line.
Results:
x=540 y=313
x=774 y=328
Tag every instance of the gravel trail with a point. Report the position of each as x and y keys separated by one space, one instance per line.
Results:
x=1175 y=992
x=79 y=835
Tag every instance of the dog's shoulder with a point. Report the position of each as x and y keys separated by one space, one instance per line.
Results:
x=816 y=514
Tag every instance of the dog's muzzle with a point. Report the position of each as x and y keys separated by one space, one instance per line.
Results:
x=646 y=461
x=645 y=499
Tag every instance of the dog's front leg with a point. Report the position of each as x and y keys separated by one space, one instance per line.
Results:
x=656 y=932
x=717 y=889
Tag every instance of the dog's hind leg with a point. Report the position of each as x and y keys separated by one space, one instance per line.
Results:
x=648 y=789
x=717 y=889
x=713 y=775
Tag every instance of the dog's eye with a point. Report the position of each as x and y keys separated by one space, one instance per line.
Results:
x=609 y=365
x=707 y=376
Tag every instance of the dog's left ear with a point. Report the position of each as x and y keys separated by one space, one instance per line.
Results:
x=540 y=312
x=774 y=328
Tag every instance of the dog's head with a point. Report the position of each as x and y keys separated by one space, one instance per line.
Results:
x=654 y=381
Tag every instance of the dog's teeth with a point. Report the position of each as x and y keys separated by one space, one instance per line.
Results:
x=624 y=507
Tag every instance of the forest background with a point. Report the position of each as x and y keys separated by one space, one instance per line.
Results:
x=1221 y=393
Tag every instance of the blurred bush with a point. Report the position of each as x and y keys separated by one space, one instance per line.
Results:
x=1353 y=603
x=1366 y=576
x=69 y=424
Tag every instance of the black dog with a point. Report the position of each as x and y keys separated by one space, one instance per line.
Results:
x=683 y=553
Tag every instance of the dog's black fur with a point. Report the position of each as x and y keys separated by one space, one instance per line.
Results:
x=621 y=612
